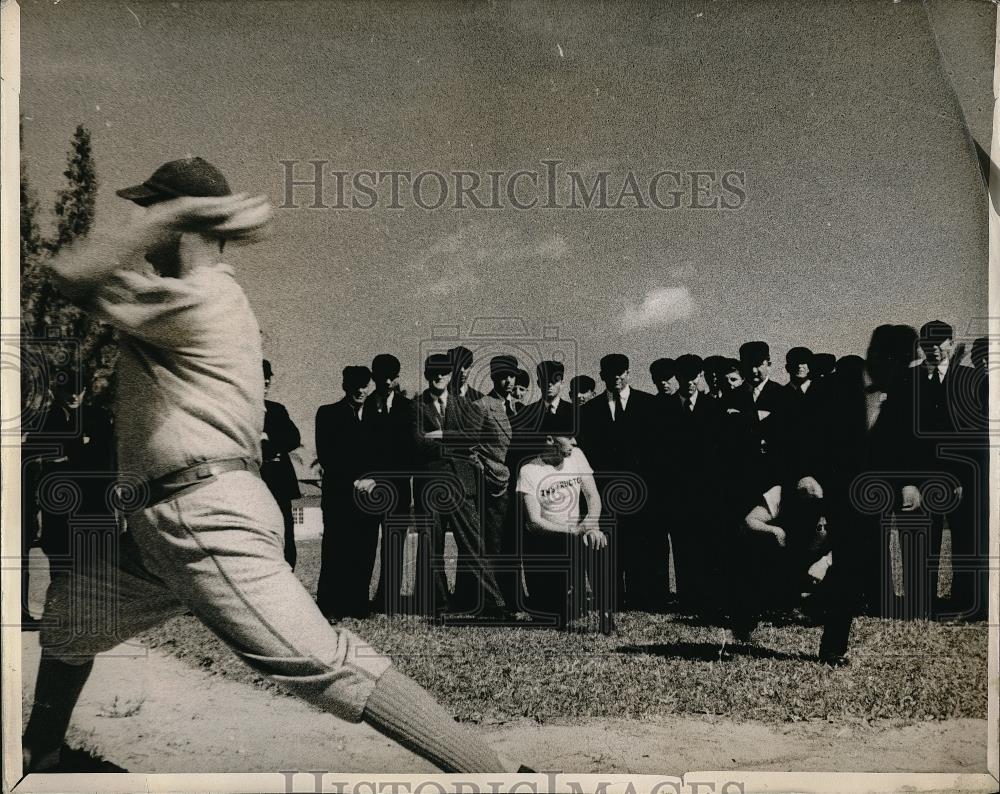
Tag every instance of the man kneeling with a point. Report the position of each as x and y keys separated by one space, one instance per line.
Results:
x=783 y=537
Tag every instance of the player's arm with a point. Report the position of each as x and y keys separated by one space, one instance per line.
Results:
x=591 y=523
x=593 y=497
x=537 y=522
x=757 y=521
x=80 y=269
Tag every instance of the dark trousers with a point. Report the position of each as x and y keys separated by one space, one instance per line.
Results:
x=968 y=553
x=499 y=536
x=647 y=574
x=699 y=552
x=476 y=589
x=860 y=545
x=762 y=576
x=557 y=571
x=350 y=540
x=291 y=555
x=395 y=529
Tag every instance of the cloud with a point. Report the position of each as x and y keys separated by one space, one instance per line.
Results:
x=659 y=307
x=450 y=285
x=462 y=260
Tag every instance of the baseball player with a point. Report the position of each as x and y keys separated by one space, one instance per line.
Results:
x=207 y=537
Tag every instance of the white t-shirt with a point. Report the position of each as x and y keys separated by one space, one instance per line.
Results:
x=557 y=488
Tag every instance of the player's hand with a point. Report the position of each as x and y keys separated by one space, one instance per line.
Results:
x=780 y=537
x=237 y=217
x=434 y=435
x=365 y=485
x=595 y=539
x=911 y=498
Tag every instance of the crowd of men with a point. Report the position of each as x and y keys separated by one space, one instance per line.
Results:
x=582 y=500
x=742 y=481
x=746 y=483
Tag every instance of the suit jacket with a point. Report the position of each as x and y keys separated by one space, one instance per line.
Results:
x=390 y=433
x=494 y=442
x=344 y=449
x=693 y=436
x=453 y=453
x=807 y=416
x=754 y=438
x=626 y=445
x=537 y=420
x=276 y=469
x=890 y=447
x=948 y=414
x=471 y=394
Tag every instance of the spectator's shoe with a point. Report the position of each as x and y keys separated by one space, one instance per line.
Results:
x=834 y=659
x=29 y=622
x=743 y=631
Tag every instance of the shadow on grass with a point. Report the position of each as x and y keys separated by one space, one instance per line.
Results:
x=712 y=652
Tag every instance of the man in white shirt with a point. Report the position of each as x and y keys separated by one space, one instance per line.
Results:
x=550 y=486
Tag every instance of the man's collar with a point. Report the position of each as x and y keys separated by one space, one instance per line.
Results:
x=942 y=367
x=624 y=393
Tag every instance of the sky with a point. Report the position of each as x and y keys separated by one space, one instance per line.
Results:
x=863 y=202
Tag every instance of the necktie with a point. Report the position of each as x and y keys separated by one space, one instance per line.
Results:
x=439 y=403
x=510 y=409
x=357 y=413
x=936 y=377
x=619 y=408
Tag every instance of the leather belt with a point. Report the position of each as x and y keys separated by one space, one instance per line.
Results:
x=171 y=484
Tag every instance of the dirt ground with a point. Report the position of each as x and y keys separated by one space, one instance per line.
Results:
x=148 y=712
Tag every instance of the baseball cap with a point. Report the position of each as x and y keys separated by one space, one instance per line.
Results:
x=754 y=352
x=503 y=365
x=191 y=176
x=798 y=355
x=935 y=332
x=614 y=364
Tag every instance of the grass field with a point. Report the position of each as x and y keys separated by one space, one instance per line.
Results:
x=656 y=665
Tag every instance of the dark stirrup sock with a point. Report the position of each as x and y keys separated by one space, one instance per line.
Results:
x=404 y=711
x=57 y=690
